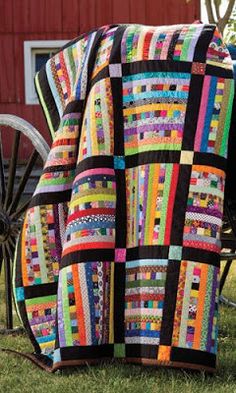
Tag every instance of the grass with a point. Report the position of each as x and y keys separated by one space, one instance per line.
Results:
x=20 y=375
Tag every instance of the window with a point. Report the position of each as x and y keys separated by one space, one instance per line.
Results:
x=36 y=54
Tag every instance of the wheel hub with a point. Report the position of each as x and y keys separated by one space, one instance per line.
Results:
x=5 y=227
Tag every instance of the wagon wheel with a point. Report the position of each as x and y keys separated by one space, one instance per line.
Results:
x=13 y=197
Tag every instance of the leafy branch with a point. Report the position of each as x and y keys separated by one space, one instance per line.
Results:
x=213 y=12
x=230 y=35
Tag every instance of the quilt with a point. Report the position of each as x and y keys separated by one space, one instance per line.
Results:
x=119 y=251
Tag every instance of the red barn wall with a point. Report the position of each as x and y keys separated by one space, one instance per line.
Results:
x=25 y=20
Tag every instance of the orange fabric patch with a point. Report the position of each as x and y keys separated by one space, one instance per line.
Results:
x=164 y=353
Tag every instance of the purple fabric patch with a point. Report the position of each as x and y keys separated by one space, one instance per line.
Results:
x=120 y=254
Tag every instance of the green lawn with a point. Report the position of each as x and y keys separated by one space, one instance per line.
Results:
x=19 y=375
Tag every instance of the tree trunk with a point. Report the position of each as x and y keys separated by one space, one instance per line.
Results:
x=221 y=22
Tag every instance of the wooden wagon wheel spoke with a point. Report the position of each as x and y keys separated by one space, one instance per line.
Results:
x=225 y=274
x=23 y=181
x=21 y=210
x=10 y=252
x=2 y=176
x=12 y=170
x=1 y=258
x=8 y=291
x=12 y=241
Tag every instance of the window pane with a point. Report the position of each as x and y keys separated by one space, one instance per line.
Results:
x=40 y=60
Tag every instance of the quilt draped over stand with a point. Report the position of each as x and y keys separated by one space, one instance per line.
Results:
x=119 y=252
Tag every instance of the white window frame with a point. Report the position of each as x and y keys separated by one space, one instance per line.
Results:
x=31 y=48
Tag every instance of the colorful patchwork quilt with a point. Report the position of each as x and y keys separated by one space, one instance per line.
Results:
x=119 y=252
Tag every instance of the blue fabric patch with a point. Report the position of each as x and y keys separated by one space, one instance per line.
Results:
x=142 y=333
x=20 y=294
x=57 y=355
x=119 y=162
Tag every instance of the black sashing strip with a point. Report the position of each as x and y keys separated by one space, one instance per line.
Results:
x=218 y=71
x=230 y=191
x=104 y=73
x=119 y=302
x=191 y=356
x=161 y=156
x=95 y=162
x=104 y=254
x=97 y=177
x=192 y=111
x=199 y=255
x=147 y=252
x=203 y=43
x=73 y=107
x=156 y=66
x=210 y=159
x=145 y=351
x=120 y=237
x=47 y=96
x=180 y=203
x=41 y=290
x=50 y=197
x=59 y=168
x=120 y=241
x=86 y=352
x=172 y=45
x=57 y=341
x=171 y=286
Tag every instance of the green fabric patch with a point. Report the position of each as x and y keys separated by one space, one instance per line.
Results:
x=119 y=350
x=175 y=252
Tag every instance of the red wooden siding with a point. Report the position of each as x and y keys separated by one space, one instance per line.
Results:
x=25 y=20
